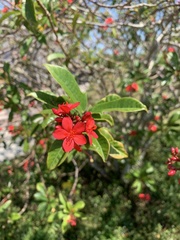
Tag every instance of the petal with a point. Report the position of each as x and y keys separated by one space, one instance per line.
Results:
x=73 y=105
x=68 y=144
x=94 y=134
x=65 y=109
x=90 y=139
x=67 y=124
x=80 y=139
x=60 y=133
x=77 y=147
x=55 y=111
x=90 y=123
x=79 y=127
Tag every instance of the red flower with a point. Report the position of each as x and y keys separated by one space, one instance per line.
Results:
x=145 y=196
x=109 y=20
x=10 y=170
x=42 y=142
x=165 y=97
x=104 y=27
x=26 y=165
x=70 y=1
x=116 y=52
x=90 y=127
x=72 y=134
x=1 y=128
x=72 y=221
x=152 y=127
x=156 y=118
x=172 y=172
x=31 y=103
x=132 y=87
x=87 y=116
x=5 y=9
x=65 y=108
x=171 y=49
x=10 y=128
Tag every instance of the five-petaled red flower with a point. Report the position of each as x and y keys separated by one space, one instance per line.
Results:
x=72 y=134
x=65 y=108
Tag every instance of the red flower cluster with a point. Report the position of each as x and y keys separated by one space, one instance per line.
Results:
x=72 y=220
x=72 y=129
x=107 y=22
x=175 y=157
x=145 y=196
x=133 y=87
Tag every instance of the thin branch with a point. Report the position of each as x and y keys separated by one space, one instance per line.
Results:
x=76 y=174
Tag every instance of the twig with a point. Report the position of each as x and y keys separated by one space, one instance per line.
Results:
x=76 y=174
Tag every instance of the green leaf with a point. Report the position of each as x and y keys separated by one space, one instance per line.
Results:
x=174 y=118
x=8 y=14
x=109 y=98
x=47 y=97
x=76 y=16
x=56 y=155
x=65 y=224
x=137 y=186
x=100 y=146
x=51 y=217
x=48 y=119
x=63 y=200
x=117 y=150
x=126 y=104
x=41 y=188
x=78 y=205
x=53 y=56
x=30 y=12
x=15 y=216
x=67 y=81
x=25 y=146
x=25 y=46
x=5 y=205
x=42 y=207
x=40 y=197
x=103 y=118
